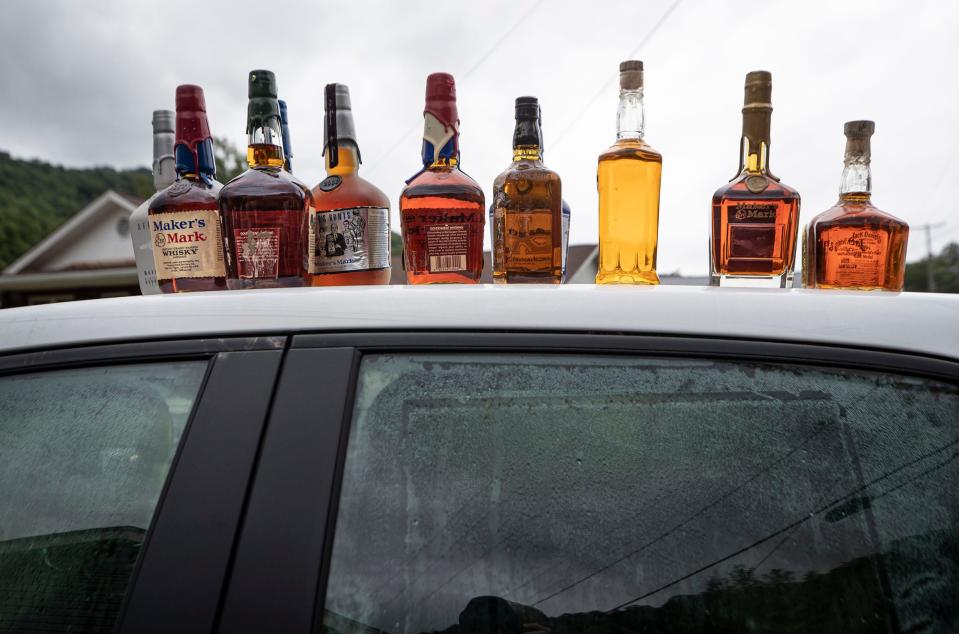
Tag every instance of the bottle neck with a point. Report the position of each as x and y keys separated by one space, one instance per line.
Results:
x=631 y=115
x=266 y=145
x=347 y=159
x=199 y=165
x=856 y=184
x=164 y=162
x=754 y=149
x=527 y=140
x=440 y=144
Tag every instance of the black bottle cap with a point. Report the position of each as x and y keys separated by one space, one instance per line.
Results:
x=527 y=108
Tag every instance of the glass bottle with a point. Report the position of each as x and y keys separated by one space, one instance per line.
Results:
x=164 y=173
x=853 y=245
x=755 y=217
x=349 y=233
x=285 y=130
x=628 y=179
x=527 y=208
x=185 y=217
x=265 y=209
x=441 y=208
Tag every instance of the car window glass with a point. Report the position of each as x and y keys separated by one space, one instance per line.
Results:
x=513 y=493
x=83 y=457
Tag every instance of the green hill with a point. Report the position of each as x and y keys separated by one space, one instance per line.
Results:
x=36 y=197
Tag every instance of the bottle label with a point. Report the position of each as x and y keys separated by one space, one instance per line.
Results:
x=187 y=244
x=342 y=240
x=257 y=252
x=527 y=237
x=447 y=247
x=854 y=257
x=753 y=232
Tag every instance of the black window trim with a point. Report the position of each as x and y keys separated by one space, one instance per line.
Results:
x=338 y=355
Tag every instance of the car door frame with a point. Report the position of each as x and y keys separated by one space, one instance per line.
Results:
x=184 y=561
x=282 y=560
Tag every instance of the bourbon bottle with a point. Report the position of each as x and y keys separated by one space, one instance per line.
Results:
x=755 y=216
x=853 y=245
x=164 y=173
x=441 y=208
x=628 y=180
x=527 y=208
x=265 y=209
x=185 y=218
x=349 y=232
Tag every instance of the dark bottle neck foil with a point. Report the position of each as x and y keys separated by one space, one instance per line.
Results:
x=757 y=117
x=200 y=161
x=285 y=127
x=263 y=109
x=528 y=132
x=340 y=131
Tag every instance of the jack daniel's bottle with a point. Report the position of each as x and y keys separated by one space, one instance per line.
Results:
x=349 y=233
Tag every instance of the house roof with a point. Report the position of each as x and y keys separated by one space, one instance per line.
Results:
x=68 y=229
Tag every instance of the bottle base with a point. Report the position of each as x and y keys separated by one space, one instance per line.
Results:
x=278 y=282
x=752 y=281
x=526 y=278
x=645 y=278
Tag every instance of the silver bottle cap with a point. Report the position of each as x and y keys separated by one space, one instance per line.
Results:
x=164 y=162
x=341 y=125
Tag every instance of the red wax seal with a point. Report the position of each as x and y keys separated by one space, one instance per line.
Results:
x=441 y=99
x=191 y=124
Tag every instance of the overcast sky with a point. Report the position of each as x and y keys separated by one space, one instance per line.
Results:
x=80 y=81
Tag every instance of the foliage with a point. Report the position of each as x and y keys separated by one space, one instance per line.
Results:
x=945 y=271
x=36 y=197
x=230 y=162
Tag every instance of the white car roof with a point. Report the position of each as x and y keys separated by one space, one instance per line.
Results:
x=916 y=322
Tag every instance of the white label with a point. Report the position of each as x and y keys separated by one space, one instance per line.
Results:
x=187 y=244
x=342 y=240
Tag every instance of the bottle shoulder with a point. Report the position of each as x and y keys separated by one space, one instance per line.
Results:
x=534 y=171
x=856 y=214
x=442 y=182
x=747 y=186
x=636 y=149
x=264 y=182
x=352 y=191
x=185 y=193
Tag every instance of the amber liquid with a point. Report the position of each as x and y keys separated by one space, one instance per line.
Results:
x=269 y=198
x=528 y=225
x=352 y=192
x=442 y=201
x=199 y=196
x=628 y=179
x=855 y=246
x=754 y=233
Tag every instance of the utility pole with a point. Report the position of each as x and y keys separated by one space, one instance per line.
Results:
x=930 y=280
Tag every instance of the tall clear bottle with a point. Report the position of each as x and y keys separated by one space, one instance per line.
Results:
x=628 y=179
x=441 y=208
x=265 y=209
x=854 y=245
x=164 y=173
x=755 y=217
x=527 y=208
x=184 y=217
x=349 y=233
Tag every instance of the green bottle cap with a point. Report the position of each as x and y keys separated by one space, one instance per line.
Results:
x=263 y=105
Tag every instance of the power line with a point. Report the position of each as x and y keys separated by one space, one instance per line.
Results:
x=399 y=140
x=930 y=278
x=605 y=86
